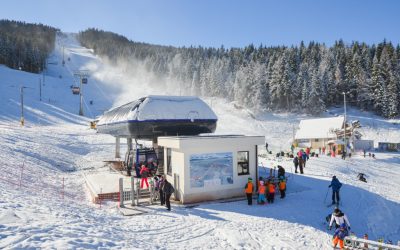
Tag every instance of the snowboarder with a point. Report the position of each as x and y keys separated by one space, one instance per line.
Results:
x=261 y=193
x=339 y=236
x=281 y=172
x=168 y=190
x=282 y=187
x=344 y=155
x=361 y=177
x=271 y=191
x=296 y=163
x=248 y=189
x=144 y=173
x=336 y=185
x=339 y=218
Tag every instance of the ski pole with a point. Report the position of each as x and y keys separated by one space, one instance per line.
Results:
x=327 y=191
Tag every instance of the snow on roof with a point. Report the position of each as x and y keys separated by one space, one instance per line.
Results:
x=174 y=107
x=319 y=128
x=154 y=107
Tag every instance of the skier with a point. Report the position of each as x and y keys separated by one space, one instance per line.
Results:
x=296 y=163
x=271 y=191
x=248 y=189
x=261 y=193
x=336 y=185
x=340 y=218
x=160 y=189
x=344 y=155
x=305 y=158
x=282 y=187
x=129 y=165
x=281 y=171
x=301 y=164
x=308 y=153
x=339 y=236
x=364 y=152
x=168 y=190
x=266 y=146
x=144 y=172
x=361 y=177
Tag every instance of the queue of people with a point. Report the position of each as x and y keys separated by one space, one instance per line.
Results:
x=266 y=188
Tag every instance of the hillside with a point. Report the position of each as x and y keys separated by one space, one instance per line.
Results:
x=56 y=147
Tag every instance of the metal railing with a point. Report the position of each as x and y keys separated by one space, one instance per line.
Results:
x=352 y=242
x=133 y=193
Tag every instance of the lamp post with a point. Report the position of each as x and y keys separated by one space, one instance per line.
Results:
x=345 y=114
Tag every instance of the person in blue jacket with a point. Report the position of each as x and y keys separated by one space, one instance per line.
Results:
x=339 y=236
x=304 y=156
x=336 y=185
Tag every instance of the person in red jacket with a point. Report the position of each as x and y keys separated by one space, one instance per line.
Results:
x=144 y=173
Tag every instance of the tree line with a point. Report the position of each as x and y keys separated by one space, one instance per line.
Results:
x=25 y=46
x=304 y=78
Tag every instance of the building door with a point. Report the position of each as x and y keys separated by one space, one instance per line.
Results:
x=177 y=187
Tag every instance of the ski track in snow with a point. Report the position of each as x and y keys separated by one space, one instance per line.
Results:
x=56 y=143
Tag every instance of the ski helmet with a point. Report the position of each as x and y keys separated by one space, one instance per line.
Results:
x=343 y=225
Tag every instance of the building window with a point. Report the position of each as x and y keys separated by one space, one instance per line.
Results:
x=243 y=162
x=169 y=166
x=316 y=140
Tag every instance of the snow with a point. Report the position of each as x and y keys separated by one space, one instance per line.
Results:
x=56 y=146
x=319 y=128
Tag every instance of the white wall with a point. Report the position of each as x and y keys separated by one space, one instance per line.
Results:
x=180 y=159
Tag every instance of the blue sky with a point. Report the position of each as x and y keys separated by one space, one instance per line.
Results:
x=231 y=23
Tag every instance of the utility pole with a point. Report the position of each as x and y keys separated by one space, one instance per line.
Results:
x=83 y=75
x=40 y=89
x=344 y=135
x=22 y=105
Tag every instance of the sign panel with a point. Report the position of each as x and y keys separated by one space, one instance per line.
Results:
x=211 y=170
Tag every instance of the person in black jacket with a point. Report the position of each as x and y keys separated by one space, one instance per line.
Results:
x=296 y=163
x=281 y=172
x=168 y=190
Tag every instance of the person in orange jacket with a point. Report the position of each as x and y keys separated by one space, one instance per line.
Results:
x=248 y=189
x=261 y=193
x=271 y=191
x=282 y=187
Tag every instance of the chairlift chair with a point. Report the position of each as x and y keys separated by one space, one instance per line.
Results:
x=76 y=90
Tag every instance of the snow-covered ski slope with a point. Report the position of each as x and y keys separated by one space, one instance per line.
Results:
x=56 y=146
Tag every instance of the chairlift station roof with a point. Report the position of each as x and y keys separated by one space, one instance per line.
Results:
x=153 y=116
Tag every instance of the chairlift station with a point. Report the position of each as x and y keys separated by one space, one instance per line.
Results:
x=201 y=166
